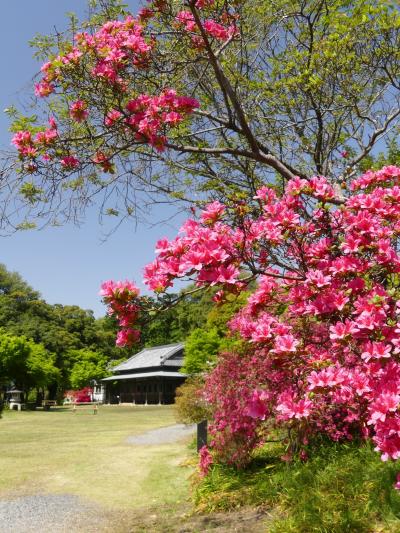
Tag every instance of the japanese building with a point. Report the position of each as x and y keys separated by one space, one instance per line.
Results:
x=149 y=377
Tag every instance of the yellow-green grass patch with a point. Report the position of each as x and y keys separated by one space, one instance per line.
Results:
x=87 y=455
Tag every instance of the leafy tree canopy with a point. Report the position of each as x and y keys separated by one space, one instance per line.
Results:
x=25 y=363
x=88 y=366
x=272 y=89
x=203 y=344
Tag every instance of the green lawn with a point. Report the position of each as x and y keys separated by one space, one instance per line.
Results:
x=87 y=455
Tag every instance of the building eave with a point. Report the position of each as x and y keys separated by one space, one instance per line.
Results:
x=143 y=375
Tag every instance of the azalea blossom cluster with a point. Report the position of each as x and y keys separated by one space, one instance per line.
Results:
x=111 y=56
x=29 y=146
x=147 y=117
x=216 y=24
x=116 y=46
x=221 y=32
x=204 y=249
x=323 y=326
x=110 y=61
x=121 y=297
x=206 y=460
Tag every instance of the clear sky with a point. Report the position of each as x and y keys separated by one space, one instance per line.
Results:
x=66 y=264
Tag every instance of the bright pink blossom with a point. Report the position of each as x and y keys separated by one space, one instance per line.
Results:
x=127 y=337
x=78 y=111
x=288 y=407
x=206 y=460
x=44 y=89
x=70 y=162
x=285 y=344
x=257 y=405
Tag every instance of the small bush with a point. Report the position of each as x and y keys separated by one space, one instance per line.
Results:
x=80 y=396
x=190 y=407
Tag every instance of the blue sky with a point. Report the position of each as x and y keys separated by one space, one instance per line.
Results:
x=66 y=264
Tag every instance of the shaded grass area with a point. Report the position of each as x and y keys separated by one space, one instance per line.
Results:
x=342 y=488
x=87 y=455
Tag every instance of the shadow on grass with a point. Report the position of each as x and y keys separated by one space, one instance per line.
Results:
x=58 y=409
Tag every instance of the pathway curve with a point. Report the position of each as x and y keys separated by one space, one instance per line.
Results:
x=164 y=435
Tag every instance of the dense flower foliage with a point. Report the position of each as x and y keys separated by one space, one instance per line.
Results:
x=206 y=460
x=112 y=52
x=322 y=327
x=220 y=32
x=112 y=56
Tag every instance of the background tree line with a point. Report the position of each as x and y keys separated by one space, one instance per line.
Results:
x=51 y=348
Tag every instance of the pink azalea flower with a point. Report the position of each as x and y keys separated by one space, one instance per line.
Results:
x=78 y=111
x=257 y=405
x=315 y=277
x=328 y=377
x=187 y=20
x=375 y=350
x=285 y=344
x=206 y=460
x=112 y=117
x=70 y=162
x=288 y=408
x=43 y=89
x=217 y=30
x=127 y=337
x=212 y=212
x=379 y=408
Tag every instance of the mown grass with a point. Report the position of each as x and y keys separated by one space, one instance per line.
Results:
x=342 y=488
x=87 y=455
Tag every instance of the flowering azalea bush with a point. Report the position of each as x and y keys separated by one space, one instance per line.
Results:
x=188 y=98
x=322 y=326
x=80 y=396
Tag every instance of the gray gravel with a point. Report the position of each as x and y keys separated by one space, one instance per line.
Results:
x=49 y=513
x=164 y=435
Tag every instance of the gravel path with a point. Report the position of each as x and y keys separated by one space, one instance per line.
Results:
x=66 y=513
x=164 y=435
x=49 y=513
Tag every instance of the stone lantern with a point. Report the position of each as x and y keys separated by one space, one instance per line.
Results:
x=15 y=401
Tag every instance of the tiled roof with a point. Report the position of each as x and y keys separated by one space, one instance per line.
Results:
x=146 y=375
x=151 y=357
